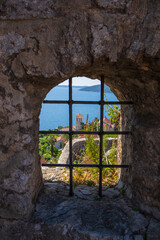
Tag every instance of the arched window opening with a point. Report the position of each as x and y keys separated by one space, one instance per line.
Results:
x=80 y=129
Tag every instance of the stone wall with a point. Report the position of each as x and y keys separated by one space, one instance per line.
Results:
x=77 y=147
x=43 y=43
x=125 y=143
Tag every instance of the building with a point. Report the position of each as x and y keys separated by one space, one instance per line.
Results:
x=107 y=125
x=79 y=118
x=43 y=160
x=60 y=142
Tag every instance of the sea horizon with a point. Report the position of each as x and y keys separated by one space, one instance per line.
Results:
x=54 y=115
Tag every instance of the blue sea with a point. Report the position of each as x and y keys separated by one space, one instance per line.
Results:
x=54 y=115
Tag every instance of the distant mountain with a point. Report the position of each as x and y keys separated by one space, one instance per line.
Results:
x=95 y=88
x=68 y=86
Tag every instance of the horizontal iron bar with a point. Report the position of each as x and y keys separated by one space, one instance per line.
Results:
x=85 y=165
x=102 y=132
x=86 y=102
x=117 y=132
x=87 y=132
x=55 y=101
x=55 y=165
x=101 y=166
x=120 y=102
x=54 y=132
x=101 y=102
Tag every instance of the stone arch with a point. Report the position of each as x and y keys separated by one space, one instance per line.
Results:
x=40 y=49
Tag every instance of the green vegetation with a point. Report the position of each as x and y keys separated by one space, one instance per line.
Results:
x=47 y=148
x=114 y=114
x=89 y=154
x=135 y=209
x=122 y=191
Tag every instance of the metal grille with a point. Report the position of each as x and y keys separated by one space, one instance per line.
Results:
x=71 y=165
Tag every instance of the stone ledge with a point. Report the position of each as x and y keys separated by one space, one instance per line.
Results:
x=83 y=216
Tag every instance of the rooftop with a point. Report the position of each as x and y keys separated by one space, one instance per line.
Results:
x=79 y=115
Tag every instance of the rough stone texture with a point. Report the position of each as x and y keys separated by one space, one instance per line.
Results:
x=84 y=216
x=153 y=230
x=77 y=147
x=55 y=174
x=42 y=43
x=125 y=143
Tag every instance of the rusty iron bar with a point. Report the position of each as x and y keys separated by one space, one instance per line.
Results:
x=87 y=102
x=87 y=132
x=85 y=165
x=70 y=138
x=101 y=137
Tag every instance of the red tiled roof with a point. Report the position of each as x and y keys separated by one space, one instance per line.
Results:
x=43 y=160
x=60 y=138
x=67 y=129
x=79 y=115
x=105 y=120
x=64 y=129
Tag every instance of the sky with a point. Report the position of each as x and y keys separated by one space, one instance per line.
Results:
x=82 y=81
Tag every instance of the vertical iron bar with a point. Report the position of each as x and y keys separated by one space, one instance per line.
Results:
x=101 y=136
x=70 y=137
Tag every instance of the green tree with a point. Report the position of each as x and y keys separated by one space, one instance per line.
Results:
x=113 y=112
x=47 y=147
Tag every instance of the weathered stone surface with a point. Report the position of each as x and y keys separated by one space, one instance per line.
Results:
x=77 y=148
x=138 y=237
x=153 y=230
x=58 y=216
x=55 y=174
x=44 y=43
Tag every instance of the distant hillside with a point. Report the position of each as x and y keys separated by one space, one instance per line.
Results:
x=95 y=88
x=68 y=86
